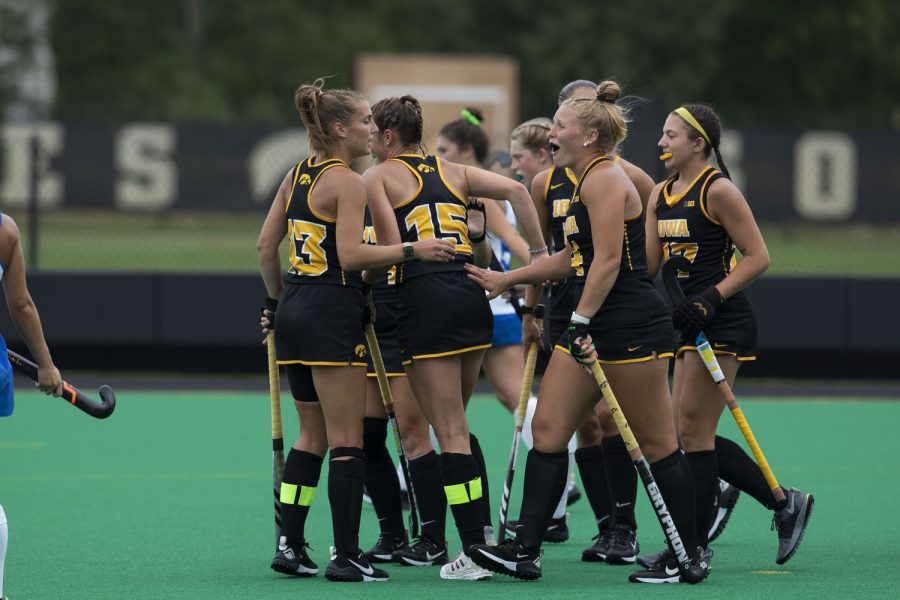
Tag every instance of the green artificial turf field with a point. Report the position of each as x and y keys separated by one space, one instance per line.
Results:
x=171 y=498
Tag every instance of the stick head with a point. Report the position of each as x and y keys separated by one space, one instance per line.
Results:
x=670 y=272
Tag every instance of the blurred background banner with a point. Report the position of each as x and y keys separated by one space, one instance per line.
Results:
x=148 y=139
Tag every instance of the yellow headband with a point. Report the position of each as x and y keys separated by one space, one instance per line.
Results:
x=687 y=116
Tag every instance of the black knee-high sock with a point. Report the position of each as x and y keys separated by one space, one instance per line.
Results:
x=462 y=485
x=478 y=455
x=381 y=477
x=425 y=472
x=676 y=484
x=705 y=467
x=740 y=470
x=298 y=489
x=592 y=468
x=545 y=480
x=621 y=478
x=345 y=487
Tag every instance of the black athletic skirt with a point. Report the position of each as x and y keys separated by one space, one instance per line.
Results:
x=443 y=314
x=732 y=330
x=632 y=325
x=387 y=309
x=560 y=305
x=320 y=325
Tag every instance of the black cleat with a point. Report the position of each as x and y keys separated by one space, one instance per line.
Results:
x=384 y=548
x=352 y=567
x=425 y=552
x=623 y=547
x=573 y=496
x=597 y=552
x=665 y=569
x=648 y=561
x=557 y=531
x=293 y=562
x=726 y=500
x=509 y=558
x=791 y=522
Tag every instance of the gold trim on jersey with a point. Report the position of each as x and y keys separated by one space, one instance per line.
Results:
x=653 y=356
x=448 y=353
x=453 y=191
x=293 y=187
x=414 y=172
x=387 y=374
x=591 y=165
x=571 y=175
x=547 y=183
x=703 y=190
x=309 y=192
x=673 y=200
x=627 y=246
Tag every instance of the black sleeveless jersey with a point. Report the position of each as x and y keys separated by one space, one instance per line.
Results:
x=436 y=210
x=386 y=288
x=686 y=228
x=313 y=237
x=578 y=233
x=557 y=194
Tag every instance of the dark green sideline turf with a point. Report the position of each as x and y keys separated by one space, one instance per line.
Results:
x=170 y=498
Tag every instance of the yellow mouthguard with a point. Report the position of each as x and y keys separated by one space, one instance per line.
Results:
x=665 y=156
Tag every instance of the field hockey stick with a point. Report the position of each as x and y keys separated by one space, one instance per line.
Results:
x=98 y=410
x=277 y=435
x=670 y=280
x=388 y=399
x=643 y=468
x=524 y=395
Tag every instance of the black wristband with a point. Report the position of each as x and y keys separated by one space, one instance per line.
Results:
x=526 y=310
x=271 y=304
x=480 y=238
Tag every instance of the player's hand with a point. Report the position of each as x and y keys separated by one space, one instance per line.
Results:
x=531 y=333
x=49 y=380
x=267 y=316
x=476 y=219
x=581 y=347
x=692 y=315
x=435 y=250
x=494 y=282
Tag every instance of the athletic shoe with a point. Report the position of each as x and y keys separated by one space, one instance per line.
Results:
x=727 y=497
x=352 y=567
x=384 y=548
x=464 y=569
x=597 y=552
x=424 y=553
x=292 y=561
x=623 y=547
x=791 y=522
x=649 y=560
x=557 y=531
x=665 y=570
x=573 y=496
x=509 y=558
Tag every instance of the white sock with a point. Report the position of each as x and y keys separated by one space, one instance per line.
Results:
x=560 y=511
x=4 y=536
x=527 y=435
x=434 y=441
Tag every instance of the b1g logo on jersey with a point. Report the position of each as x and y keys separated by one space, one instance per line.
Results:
x=570 y=227
x=560 y=208
x=304 y=179
x=425 y=168
x=671 y=228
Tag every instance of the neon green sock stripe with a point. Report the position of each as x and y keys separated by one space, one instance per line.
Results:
x=289 y=494
x=307 y=495
x=459 y=494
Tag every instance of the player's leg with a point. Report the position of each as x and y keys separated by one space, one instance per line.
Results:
x=300 y=481
x=505 y=369
x=621 y=482
x=382 y=482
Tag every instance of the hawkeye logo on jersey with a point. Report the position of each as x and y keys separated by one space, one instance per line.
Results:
x=360 y=351
x=560 y=208
x=425 y=168
x=673 y=228
x=304 y=179
x=570 y=227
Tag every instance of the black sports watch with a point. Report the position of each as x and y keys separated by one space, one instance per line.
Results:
x=409 y=253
